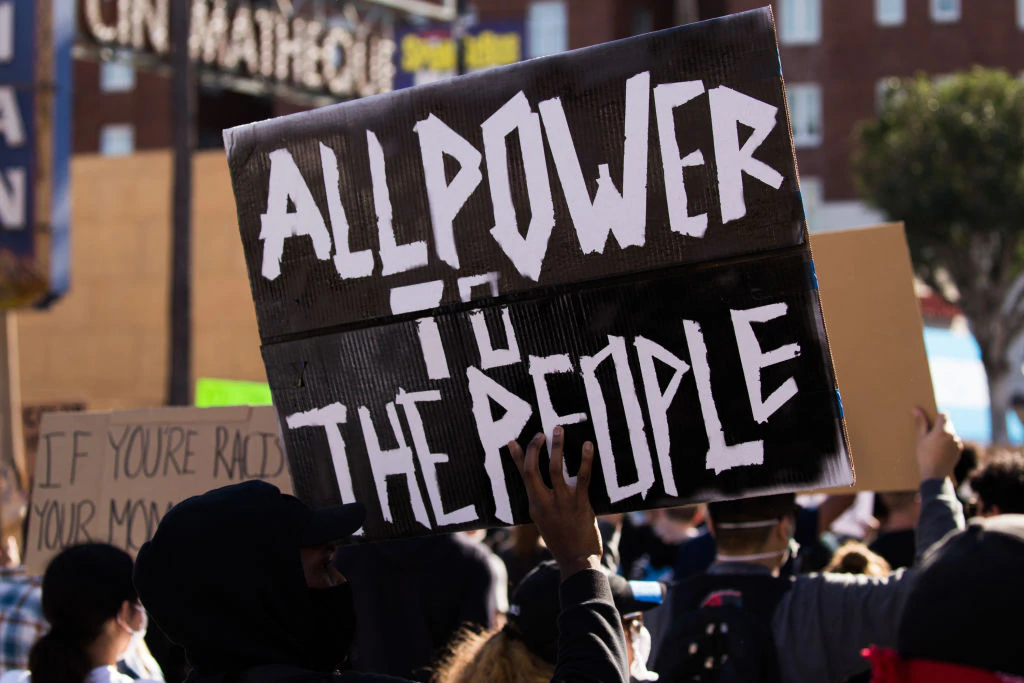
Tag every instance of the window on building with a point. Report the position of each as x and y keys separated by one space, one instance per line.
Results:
x=117 y=139
x=1020 y=13
x=801 y=21
x=882 y=88
x=117 y=76
x=890 y=12
x=805 y=113
x=547 y=28
x=811 y=192
x=945 y=11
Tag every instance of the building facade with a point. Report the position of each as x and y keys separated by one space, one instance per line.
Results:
x=120 y=108
x=837 y=56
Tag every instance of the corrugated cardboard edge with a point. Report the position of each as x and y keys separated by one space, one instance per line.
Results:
x=849 y=474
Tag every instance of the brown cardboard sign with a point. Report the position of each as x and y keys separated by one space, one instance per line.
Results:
x=611 y=239
x=32 y=419
x=866 y=284
x=111 y=476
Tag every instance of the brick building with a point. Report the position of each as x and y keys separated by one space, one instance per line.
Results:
x=120 y=109
x=836 y=55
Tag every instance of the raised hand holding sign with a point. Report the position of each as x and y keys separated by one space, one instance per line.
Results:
x=562 y=513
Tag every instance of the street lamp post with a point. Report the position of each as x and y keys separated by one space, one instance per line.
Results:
x=183 y=92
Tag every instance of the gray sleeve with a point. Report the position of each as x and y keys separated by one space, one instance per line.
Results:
x=824 y=622
x=941 y=513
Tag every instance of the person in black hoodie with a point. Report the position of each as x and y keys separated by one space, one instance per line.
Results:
x=420 y=592
x=241 y=577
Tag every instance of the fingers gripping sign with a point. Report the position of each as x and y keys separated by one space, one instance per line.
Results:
x=563 y=513
x=938 y=445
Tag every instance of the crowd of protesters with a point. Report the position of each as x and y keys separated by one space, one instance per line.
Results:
x=248 y=584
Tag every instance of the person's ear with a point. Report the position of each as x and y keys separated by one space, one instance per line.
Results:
x=126 y=616
x=785 y=529
x=129 y=617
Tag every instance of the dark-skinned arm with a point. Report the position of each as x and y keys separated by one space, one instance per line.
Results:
x=591 y=644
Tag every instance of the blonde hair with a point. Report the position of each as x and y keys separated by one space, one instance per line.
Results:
x=490 y=657
x=857 y=558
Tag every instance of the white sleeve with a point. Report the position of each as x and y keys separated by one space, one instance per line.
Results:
x=500 y=583
x=16 y=676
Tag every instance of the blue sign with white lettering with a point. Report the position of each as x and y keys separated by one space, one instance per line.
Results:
x=17 y=123
x=34 y=268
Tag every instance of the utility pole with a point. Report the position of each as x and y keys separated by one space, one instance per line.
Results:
x=459 y=35
x=183 y=92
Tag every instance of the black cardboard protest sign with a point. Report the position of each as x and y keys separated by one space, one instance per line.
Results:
x=611 y=239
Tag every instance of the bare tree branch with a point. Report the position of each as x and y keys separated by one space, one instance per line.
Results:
x=1013 y=304
x=1007 y=256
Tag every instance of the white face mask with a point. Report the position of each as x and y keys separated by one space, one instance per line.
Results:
x=641 y=641
x=673 y=532
x=138 y=635
x=791 y=550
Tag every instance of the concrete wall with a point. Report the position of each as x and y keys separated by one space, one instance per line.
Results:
x=105 y=343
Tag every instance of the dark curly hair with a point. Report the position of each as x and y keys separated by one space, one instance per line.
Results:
x=999 y=483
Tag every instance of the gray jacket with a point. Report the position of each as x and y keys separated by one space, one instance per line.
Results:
x=822 y=624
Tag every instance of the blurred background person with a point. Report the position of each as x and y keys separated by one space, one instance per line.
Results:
x=968 y=465
x=525 y=649
x=21 y=617
x=499 y=573
x=958 y=622
x=652 y=543
x=522 y=551
x=743 y=620
x=94 y=614
x=856 y=558
x=420 y=592
x=22 y=623
x=998 y=485
x=898 y=513
x=814 y=541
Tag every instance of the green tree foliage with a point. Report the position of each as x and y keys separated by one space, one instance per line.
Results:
x=947 y=158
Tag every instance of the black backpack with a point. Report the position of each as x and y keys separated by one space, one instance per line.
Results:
x=720 y=630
